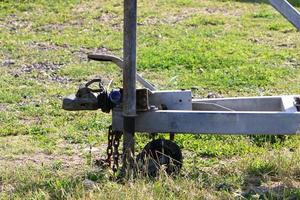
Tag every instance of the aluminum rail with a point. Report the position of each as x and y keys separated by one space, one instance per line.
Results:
x=244 y=115
x=214 y=122
x=265 y=103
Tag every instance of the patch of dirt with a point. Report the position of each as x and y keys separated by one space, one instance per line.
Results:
x=78 y=23
x=273 y=187
x=75 y=159
x=8 y=62
x=83 y=52
x=46 y=71
x=270 y=41
x=30 y=121
x=14 y=23
x=80 y=53
x=106 y=17
x=274 y=190
x=220 y=11
x=287 y=45
x=292 y=62
x=82 y=8
x=60 y=27
x=44 y=159
x=51 y=27
x=45 y=46
x=99 y=50
x=3 y=107
x=43 y=67
x=184 y=14
x=29 y=101
x=59 y=79
x=170 y=19
x=110 y=18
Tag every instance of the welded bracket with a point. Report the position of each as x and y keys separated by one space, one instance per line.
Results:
x=120 y=63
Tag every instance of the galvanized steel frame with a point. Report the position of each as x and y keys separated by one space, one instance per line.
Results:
x=251 y=115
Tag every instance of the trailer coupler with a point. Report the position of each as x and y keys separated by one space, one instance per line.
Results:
x=87 y=98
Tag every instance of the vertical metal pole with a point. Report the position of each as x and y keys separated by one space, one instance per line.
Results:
x=129 y=83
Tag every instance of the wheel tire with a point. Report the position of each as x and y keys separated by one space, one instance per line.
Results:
x=160 y=155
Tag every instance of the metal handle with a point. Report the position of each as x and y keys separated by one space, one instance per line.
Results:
x=101 y=57
x=118 y=61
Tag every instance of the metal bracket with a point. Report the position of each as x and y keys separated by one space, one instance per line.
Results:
x=120 y=63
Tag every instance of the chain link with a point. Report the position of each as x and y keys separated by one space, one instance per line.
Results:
x=112 y=150
x=116 y=154
x=109 y=150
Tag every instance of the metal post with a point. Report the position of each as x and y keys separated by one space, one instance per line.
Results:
x=129 y=81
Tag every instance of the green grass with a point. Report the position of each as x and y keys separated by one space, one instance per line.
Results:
x=233 y=48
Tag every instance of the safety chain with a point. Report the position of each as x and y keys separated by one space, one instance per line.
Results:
x=113 y=148
x=116 y=154
x=109 y=150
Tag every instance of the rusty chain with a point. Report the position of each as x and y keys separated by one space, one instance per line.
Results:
x=109 y=150
x=116 y=143
x=112 y=150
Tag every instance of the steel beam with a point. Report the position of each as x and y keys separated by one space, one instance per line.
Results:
x=129 y=71
x=241 y=115
x=214 y=122
x=129 y=84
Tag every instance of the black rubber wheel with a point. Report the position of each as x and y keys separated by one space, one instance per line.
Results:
x=160 y=155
